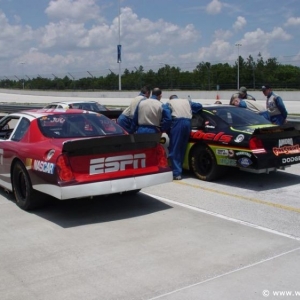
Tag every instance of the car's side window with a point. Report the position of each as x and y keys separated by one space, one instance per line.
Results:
x=197 y=121
x=7 y=126
x=21 y=129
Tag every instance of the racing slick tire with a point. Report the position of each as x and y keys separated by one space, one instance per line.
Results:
x=204 y=164
x=26 y=197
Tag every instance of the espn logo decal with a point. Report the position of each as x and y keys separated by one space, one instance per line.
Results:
x=117 y=163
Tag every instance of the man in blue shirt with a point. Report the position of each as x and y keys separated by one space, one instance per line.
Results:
x=182 y=111
x=275 y=106
x=125 y=118
x=151 y=116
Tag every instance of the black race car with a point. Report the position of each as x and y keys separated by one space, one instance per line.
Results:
x=225 y=136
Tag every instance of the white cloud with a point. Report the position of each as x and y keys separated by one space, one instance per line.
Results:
x=76 y=10
x=292 y=22
x=239 y=23
x=64 y=35
x=222 y=34
x=214 y=7
x=11 y=46
x=69 y=44
x=260 y=40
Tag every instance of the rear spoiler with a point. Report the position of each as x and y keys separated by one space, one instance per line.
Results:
x=111 y=144
x=281 y=131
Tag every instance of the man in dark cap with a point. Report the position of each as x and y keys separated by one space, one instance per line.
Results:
x=125 y=119
x=242 y=94
x=275 y=106
x=151 y=115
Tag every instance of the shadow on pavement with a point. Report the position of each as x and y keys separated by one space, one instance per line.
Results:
x=255 y=182
x=78 y=212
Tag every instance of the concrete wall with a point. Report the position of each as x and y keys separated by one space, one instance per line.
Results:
x=209 y=95
x=122 y=98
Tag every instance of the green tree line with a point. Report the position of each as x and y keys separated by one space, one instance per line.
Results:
x=205 y=76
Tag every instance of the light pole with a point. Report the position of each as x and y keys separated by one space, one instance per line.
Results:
x=238 y=68
x=119 y=47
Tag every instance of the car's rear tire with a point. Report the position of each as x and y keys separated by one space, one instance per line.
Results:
x=26 y=197
x=204 y=164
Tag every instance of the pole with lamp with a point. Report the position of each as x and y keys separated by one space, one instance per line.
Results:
x=119 y=48
x=238 y=68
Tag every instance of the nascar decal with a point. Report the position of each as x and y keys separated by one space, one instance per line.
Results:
x=117 y=163
x=286 y=150
x=219 y=137
x=283 y=142
x=43 y=166
x=245 y=162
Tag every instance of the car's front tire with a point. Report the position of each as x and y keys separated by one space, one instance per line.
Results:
x=204 y=164
x=26 y=197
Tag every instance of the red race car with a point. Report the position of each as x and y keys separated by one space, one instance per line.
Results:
x=73 y=154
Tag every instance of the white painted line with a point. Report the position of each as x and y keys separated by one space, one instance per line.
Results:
x=224 y=217
x=232 y=220
x=225 y=274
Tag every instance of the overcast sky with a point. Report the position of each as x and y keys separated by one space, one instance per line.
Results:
x=76 y=36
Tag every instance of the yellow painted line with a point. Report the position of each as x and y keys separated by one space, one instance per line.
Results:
x=254 y=200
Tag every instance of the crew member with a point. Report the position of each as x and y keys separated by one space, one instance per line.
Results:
x=125 y=118
x=253 y=106
x=181 y=111
x=275 y=106
x=242 y=94
x=151 y=116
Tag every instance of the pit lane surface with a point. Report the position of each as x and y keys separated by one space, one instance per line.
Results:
x=232 y=239
x=236 y=238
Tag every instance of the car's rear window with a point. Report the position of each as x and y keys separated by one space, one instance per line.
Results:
x=77 y=125
x=237 y=116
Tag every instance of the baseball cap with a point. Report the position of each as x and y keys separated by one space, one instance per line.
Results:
x=243 y=90
x=265 y=87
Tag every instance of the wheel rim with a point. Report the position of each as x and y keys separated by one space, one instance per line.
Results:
x=204 y=163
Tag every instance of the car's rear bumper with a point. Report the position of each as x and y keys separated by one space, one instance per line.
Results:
x=104 y=187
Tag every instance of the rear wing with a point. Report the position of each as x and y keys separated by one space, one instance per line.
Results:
x=281 y=131
x=111 y=144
